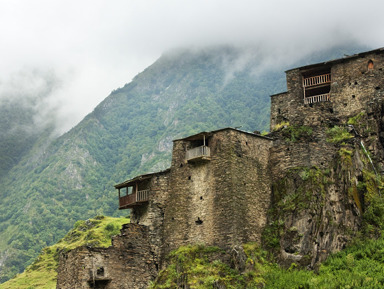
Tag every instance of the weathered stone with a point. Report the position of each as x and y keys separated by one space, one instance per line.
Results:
x=128 y=263
x=229 y=187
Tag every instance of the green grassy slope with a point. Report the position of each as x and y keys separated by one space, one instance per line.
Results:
x=42 y=273
x=127 y=134
x=359 y=266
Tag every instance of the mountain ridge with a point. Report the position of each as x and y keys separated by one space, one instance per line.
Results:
x=127 y=134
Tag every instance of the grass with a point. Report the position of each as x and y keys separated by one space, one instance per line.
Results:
x=338 y=135
x=199 y=267
x=42 y=273
x=361 y=265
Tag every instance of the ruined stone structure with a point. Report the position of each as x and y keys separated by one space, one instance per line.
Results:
x=128 y=263
x=299 y=191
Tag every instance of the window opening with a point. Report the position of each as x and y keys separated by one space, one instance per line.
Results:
x=198 y=150
x=100 y=272
x=317 y=86
x=198 y=221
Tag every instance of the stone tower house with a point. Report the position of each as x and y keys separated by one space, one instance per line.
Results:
x=227 y=186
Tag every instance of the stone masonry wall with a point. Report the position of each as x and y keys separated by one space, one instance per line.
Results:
x=128 y=263
x=151 y=214
x=315 y=200
x=222 y=201
x=353 y=87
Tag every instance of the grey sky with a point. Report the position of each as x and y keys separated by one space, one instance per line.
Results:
x=90 y=47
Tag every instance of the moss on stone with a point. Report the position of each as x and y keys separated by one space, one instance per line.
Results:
x=338 y=135
x=42 y=272
x=356 y=120
x=198 y=266
x=295 y=133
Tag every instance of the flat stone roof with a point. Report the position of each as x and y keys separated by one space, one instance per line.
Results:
x=339 y=60
x=140 y=178
x=210 y=133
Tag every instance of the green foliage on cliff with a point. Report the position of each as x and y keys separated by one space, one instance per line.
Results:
x=295 y=133
x=361 y=265
x=301 y=189
x=338 y=135
x=42 y=272
x=198 y=266
x=46 y=188
x=128 y=134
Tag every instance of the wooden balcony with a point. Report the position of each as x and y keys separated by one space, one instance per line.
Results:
x=317 y=80
x=134 y=199
x=198 y=154
x=316 y=98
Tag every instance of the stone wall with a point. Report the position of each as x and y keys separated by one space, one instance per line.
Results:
x=315 y=193
x=222 y=201
x=151 y=213
x=308 y=185
x=128 y=263
x=313 y=210
x=353 y=87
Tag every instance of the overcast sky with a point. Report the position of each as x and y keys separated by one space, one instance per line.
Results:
x=75 y=52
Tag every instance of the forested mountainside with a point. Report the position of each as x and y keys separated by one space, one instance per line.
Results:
x=18 y=132
x=48 y=189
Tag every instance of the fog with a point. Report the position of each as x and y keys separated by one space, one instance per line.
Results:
x=72 y=54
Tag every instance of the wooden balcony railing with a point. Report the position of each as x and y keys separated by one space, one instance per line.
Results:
x=317 y=80
x=142 y=196
x=198 y=152
x=134 y=199
x=316 y=98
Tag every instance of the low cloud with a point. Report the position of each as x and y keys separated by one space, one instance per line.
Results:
x=74 y=53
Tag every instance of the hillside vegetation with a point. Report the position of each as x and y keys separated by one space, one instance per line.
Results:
x=50 y=187
x=42 y=272
x=360 y=265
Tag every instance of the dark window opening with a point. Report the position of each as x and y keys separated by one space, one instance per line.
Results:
x=318 y=91
x=353 y=96
x=201 y=198
x=317 y=85
x=98 y=284
x=377 y=87
x=100 y=271
x=198 y=149
x=189 y=177
x=198 y=221
x=199 y=143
